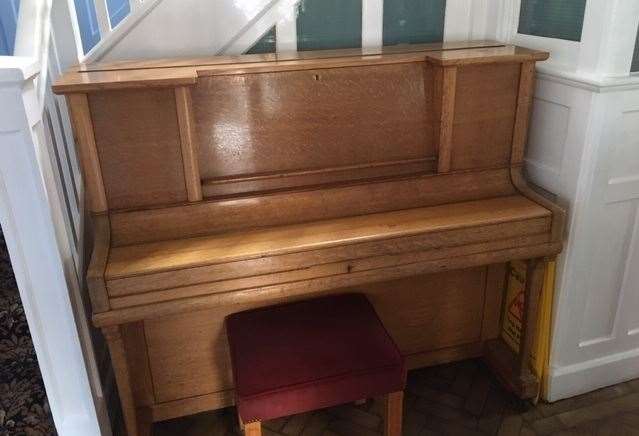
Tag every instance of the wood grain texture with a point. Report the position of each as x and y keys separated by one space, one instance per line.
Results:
x=495 y=287
x=201 y=364
x=558 y=212
x=349 y=271
x=142 y=64
x=253 y=429
x=278 y=181
x=327 y=123
x=90 y=162
x=393 y=414
x=437 y=245
x=227 y=247
x=486 y=55
x=485 y=104
x=189 y=143
x=310 y=287
x=135 y=346
x=445 y=89
x=180 y=72
x=141 y=159
x=395 y=172
x=330 y=202
x=97 y=265
x=191 y=405
x=120 y=365
x=524 y=108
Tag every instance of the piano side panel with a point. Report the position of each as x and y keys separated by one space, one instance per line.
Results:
x=189 y=353
x=295 y=128
x=137 y=137
x=485 y=106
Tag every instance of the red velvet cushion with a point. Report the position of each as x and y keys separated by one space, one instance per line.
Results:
x=312 y=354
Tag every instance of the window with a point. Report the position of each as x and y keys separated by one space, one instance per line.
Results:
x=266 y=44
x=562 y=19
x=329 y=24
x=118 y=9
x=635 y=57
x=88 y=23
x=8 y=21
x=413 y=21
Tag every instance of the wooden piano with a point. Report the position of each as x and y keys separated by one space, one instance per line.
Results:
x=224 y=183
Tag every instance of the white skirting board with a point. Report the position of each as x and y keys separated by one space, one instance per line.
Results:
x=568 y=381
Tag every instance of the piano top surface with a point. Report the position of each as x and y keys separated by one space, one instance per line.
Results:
x=185 y=71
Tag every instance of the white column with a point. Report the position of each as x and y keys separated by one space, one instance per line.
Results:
x=28 y=223
x=372 y=23
x=286 y=27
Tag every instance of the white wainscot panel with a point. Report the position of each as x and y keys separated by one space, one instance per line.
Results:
x=623 y=182
x=607 y=242
x=549 y=128
x=629 y=322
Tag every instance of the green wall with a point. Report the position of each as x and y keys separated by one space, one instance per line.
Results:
x=562 y=19
x=328 y=24
x=266 y=44
x=413 y=21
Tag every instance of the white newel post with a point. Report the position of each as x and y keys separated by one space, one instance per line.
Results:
x=28 y=226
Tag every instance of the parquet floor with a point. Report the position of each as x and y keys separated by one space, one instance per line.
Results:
x=454 y=399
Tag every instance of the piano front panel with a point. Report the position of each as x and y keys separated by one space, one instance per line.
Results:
x=188 y=354
x=138 y=142
x=288 y=207
x=276 y=130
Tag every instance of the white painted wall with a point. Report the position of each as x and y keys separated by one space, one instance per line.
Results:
x=584 y=146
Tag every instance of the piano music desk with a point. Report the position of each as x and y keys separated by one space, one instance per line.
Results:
x=220 y=184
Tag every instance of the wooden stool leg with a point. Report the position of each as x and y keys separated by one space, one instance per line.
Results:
x=253 y=429
x=394 y=414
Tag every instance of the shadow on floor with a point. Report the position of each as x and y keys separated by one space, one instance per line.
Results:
x=456 y=399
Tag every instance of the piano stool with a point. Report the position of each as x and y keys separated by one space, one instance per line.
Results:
x=312 y=354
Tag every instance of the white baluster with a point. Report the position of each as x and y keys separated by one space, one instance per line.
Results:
x=104 y=22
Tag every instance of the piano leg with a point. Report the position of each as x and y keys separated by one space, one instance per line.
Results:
x=513 y=369
x=135 y=425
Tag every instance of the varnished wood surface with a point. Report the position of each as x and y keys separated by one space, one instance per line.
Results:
x=245 y=132
x=290 y=207
x=82 y=123
x=485 y=103
x=393 y=414
x=436 y=303
x=142 y=161
x=339 y=273
x=186 y=253
x=238 y=182
x=487 y=55
x=445 y=89
x=98 y=262
x=189 y=142
x=167 y=72
x=289 y=56
x=432 y=245
x=524 y=108
x=309 y=287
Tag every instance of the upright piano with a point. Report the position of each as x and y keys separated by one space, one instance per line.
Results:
x=225 y=183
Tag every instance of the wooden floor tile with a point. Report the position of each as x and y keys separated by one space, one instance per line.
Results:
x=457 y=399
